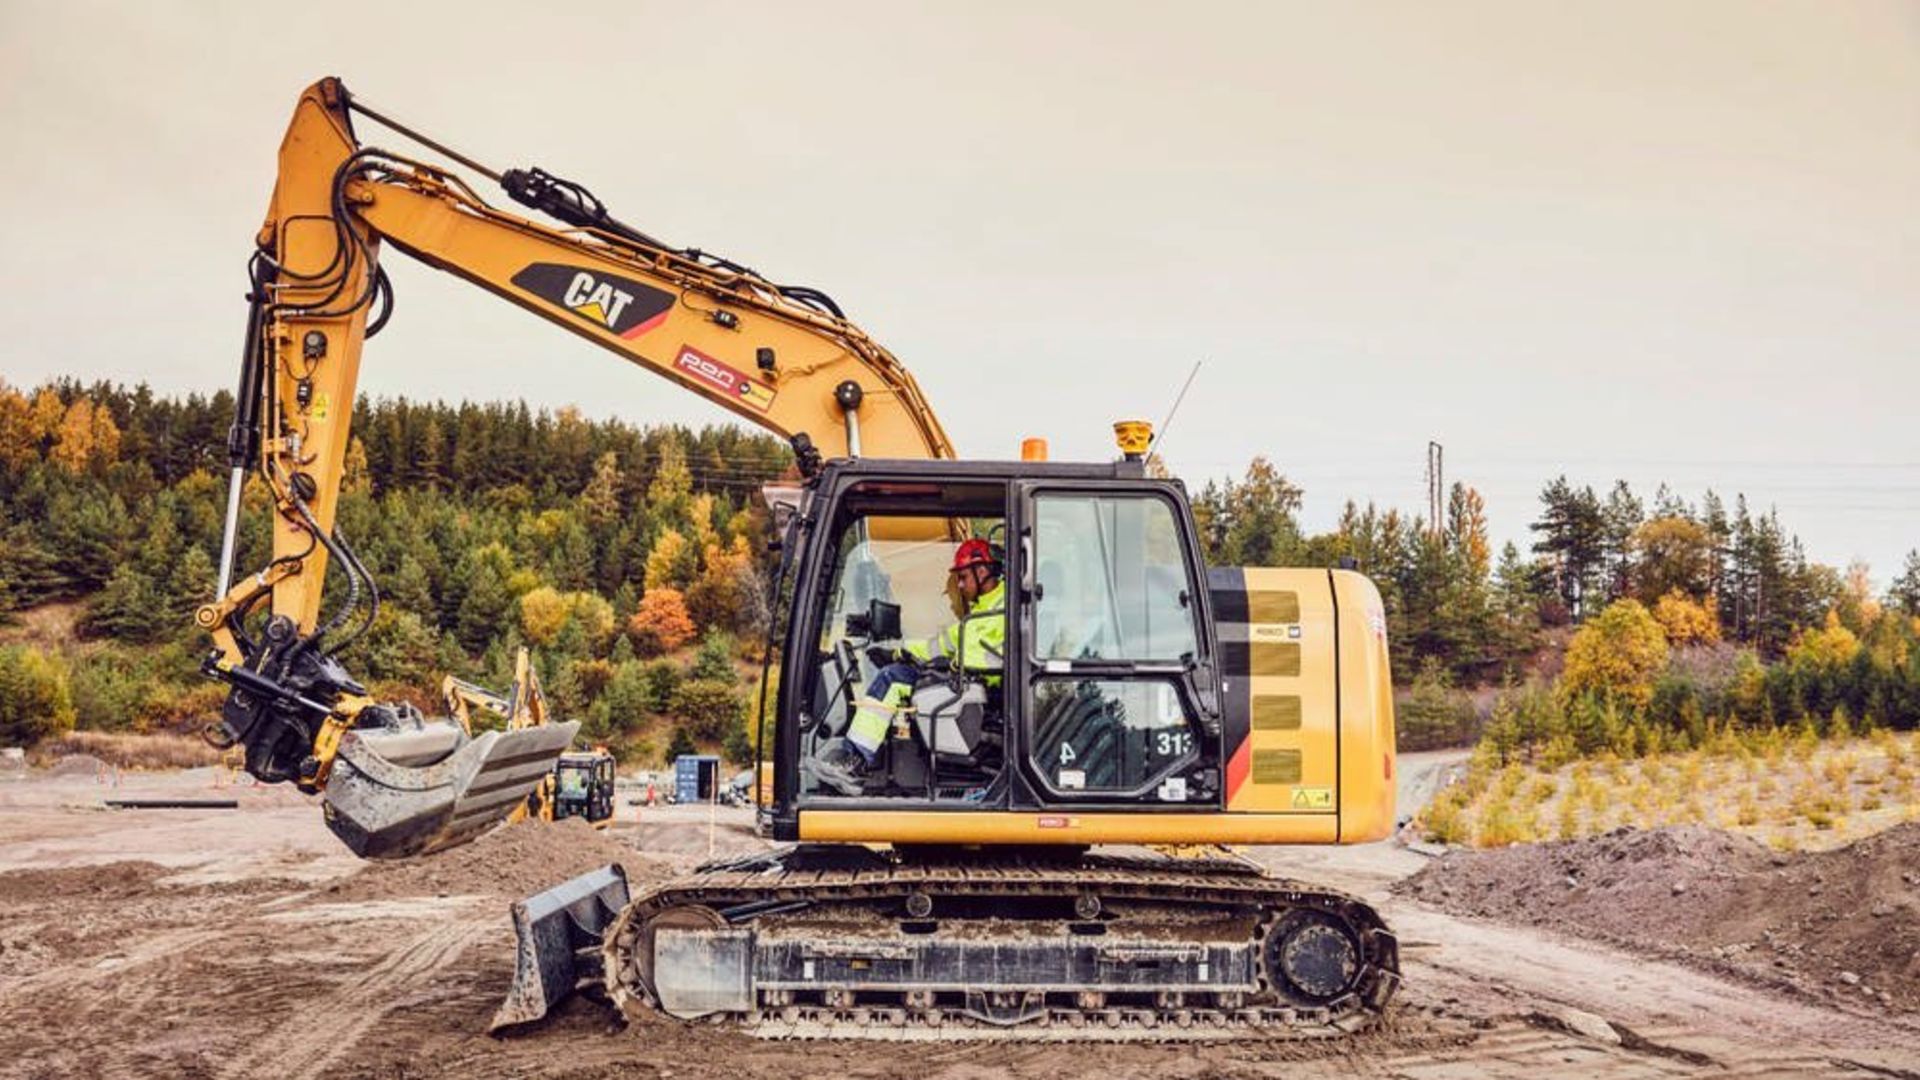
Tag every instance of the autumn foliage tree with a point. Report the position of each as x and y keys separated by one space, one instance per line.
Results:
x=661 y=624
x=726 y=594
x=35 y=699
x=546 y=614
x=673 y=561
x=1617 y=655
x=1685 y=621
x=1675 y=555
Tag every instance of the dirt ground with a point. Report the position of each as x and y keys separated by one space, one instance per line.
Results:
x=1834 y=925
x=247 y=942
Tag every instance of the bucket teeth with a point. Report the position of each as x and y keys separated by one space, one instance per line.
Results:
x=386 y=810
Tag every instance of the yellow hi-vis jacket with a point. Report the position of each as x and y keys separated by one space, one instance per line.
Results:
x=975 y=644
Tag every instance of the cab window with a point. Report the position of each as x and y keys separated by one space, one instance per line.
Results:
x=1109 y=735
x=1113 y=582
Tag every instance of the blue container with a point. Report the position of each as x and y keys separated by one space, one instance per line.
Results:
x=694 y=777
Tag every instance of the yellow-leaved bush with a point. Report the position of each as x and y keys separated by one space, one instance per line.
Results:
x=1617 y=655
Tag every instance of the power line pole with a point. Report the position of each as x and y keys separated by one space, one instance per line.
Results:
x=1436 y=485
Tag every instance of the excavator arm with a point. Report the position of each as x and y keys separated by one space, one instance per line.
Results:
x=782 y=357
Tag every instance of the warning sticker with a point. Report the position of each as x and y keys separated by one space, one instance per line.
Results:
x=724 y=378
x=1313 y=798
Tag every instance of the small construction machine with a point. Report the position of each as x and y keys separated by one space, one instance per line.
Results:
x=580 y=783
x=997 y=859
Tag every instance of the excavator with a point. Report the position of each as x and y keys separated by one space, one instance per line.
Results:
x=580 y=783
x=1039 y=841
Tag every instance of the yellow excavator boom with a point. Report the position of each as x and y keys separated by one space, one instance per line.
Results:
x=782 y=357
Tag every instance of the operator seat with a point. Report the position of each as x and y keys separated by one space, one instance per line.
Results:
x=951 y=722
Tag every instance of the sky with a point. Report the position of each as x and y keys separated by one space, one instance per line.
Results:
x=1640 y=240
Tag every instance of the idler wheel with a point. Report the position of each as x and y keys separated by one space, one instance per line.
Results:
x=1312 y=957
x=678 y=917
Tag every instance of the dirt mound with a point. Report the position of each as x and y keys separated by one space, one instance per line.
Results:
x=107 y=882
x=1842 y=923
x=510 y=862
x=1613 y=883
x=44 y=913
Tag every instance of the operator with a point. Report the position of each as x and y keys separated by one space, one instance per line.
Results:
x=973 y=645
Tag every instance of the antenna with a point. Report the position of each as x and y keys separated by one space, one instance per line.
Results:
x=1160 y=433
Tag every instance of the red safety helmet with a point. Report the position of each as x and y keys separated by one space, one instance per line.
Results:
x=975 y=552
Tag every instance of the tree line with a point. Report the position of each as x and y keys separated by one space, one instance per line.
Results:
x=607 y=547
x=613 y=549
x=1451 y=602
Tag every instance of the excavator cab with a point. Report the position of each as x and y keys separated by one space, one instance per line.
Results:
x=1100 y=693
x=888 y=592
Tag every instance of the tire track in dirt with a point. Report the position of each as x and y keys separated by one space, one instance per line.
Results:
x=33 y=988
x=322 y=1031
x=1672 y=1020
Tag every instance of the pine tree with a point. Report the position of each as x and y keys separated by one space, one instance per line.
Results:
x=191 y=583
x=1621 y=518
x=1668 y=505
x=431 y=468
x=1713 y=518
x=409 y=587
x=1904 y=594
x=670 y=493
x=1517 y=591
x=1739 y=595
x=601 y=498
x=1467 y=531
x=1261 y=528
x=467 y=461
x=680 y=744
x=485 y=606
x=1572 y=530
x=714 y=659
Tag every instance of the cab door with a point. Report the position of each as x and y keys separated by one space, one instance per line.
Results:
x=1119 y=703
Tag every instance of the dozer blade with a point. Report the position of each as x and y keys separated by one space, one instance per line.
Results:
x=398 y=792
x=559 y=934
